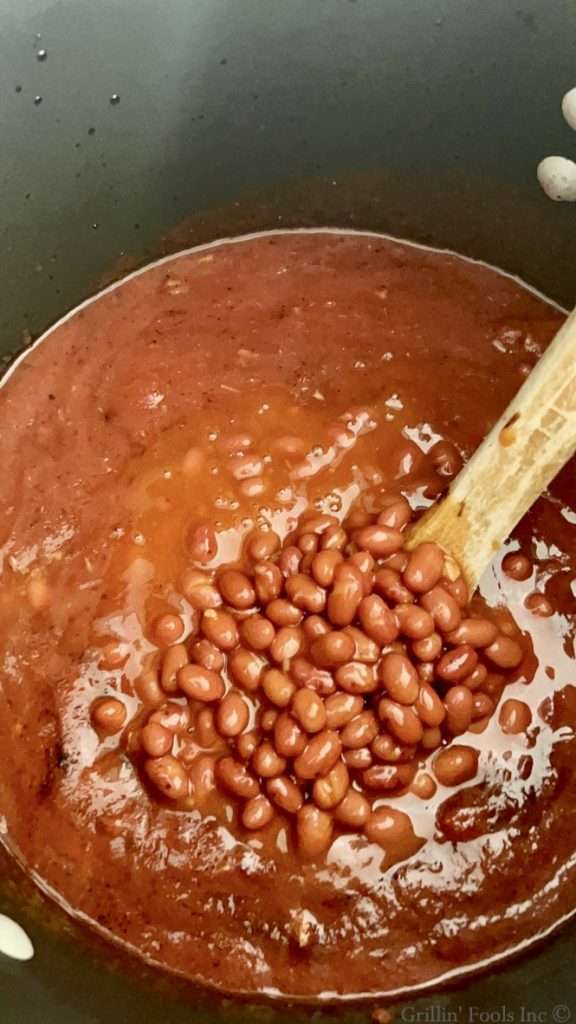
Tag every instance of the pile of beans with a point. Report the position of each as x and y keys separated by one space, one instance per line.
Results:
x=319 y=676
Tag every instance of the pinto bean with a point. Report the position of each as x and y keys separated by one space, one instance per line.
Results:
x=168 y=629
x=398 y=562
x=234 y=776
x=236 y=589
x=268 y=582
x=328 y=791
x=333 y=539
x=457 y=589
x=504 y=652
x=364 y=561
x=318 y=524
x=219 y=628
x=207 y=655
x=267 y=719
x=173 y=716
x=385 y=748
x=202 y=777
x=286 y=644
x=324 y=565
x=365 y=649
x=319 y=755
x=443 y=608
x=262 y=544
x=358 y=517
x=353 y=811
x=266 y=762
x=390 y=828
x=379 y=540
x=257 y=813
x=428 y=648
x=377 y=619
x=278 y=687
x=429 y=707
x=283 y=613
x=425 y=671
x=402 y=721
x=423 y=786
x=386 y=777
x=538 y=604
x=108 y=715
x=285 y=794
x=477 y=678
x=308 y=545
x=459 y=706
x=232 y=715
x=356 y=677
x=515 y=717
x=200 y=684
x=358 y=759
x=482 y=706
x=205 y=728
x=457 y=664
x=289 y=560
x=341 y=708
x=309 y=710
x=314 y=829
x=200 y=591
x=305 y=593
x=257 y=632
x=289 y=738
x=446 y=458
x=424 y=568
x=455 y=764
x=399 y=677
x=331 y=649
x=147 y=688
x=360 y=731
x=168 y=775
x=245 y=668
x=301 y=670
x=322 y=682
x=202 y=543
x=156 y=741
x=396 y=514
x=414 y=622
x=247 y=743
x=517 y=566
x=174 y=659
x=431 y=738
x=388 y=583
x=346 y=594
x=474 y=632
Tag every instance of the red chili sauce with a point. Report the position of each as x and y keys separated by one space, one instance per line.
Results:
x=244 y=731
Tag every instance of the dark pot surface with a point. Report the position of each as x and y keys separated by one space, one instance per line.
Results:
x=424 y=118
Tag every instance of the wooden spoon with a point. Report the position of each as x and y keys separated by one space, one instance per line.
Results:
x=532 y=440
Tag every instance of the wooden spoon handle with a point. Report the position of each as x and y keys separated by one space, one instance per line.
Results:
x=532 y=440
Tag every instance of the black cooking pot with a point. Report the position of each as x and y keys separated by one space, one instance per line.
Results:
x=131 y=128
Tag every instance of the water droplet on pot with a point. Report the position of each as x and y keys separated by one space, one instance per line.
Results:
x=41 y=54
x=114 y=99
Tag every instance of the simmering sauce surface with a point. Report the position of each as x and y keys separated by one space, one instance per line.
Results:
x=124 y=433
